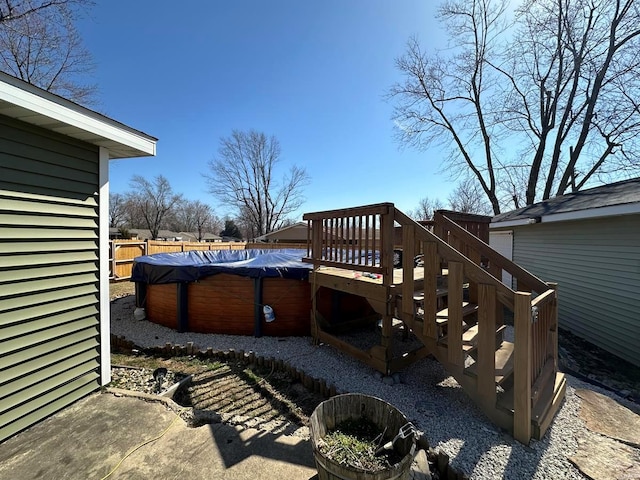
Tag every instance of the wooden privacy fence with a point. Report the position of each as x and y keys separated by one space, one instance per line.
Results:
x=122 y=253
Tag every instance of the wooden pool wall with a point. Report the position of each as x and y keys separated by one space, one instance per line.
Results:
x=226 y=304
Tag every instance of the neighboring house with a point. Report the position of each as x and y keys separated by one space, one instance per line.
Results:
x=206 y=237
x=226 y=238
x=54 y=233
x=114 y=233
x=296 y=233
x=168 y=235
x=589 y=243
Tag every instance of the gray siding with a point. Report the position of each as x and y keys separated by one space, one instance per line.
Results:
x=597 y=266
x=48 y=273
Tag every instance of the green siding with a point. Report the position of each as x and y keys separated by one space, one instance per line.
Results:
x=49 y=317
x=597 y=266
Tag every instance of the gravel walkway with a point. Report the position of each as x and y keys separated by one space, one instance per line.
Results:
x=427 y=395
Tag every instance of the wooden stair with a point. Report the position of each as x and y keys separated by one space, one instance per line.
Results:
x=470 y=338
x=453 y=303
x=504 y=364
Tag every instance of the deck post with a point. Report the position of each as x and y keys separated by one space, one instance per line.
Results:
x=386 y=247
x=554 y=326
x=386 y=262
x=522 y=368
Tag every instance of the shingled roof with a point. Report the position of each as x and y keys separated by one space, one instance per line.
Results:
x=611 y=199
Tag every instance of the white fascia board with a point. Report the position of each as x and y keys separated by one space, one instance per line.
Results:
x=50 y=109
x=624 y=209
x=512 y=223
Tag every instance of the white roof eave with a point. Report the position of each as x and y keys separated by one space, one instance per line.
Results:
x=32 y=105
x=599 y=212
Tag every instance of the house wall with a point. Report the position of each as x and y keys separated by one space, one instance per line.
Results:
x=597 y=266
x=49 y=273
x=295 y=234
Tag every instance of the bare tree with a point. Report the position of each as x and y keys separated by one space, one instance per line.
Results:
x=194 y=216
x=117 y=210
x=468 y=197
x=425 y=209
x=40 y=45
x=532 y=108
x=244 y=176
x=11 y=10
x=132 y=215
x=153 y=201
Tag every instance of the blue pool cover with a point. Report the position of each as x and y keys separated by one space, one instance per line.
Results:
x=194 y=265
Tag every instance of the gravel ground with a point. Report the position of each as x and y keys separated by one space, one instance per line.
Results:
x=142 y=379
x=427 y=395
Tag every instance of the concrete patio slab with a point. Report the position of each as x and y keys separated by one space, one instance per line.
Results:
x=90 y=438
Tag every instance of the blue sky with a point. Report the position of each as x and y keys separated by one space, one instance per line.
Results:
x=312 y=73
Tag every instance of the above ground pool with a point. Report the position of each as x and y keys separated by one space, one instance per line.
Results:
x=238 y=292
x=226 y=291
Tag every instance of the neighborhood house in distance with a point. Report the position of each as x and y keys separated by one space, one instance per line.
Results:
x=167 y=235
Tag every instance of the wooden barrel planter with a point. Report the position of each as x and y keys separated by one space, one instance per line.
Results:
x=353 y=406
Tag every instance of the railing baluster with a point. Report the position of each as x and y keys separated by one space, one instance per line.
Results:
x=360 y=240
x=332 y=239
x=354 y=241
x=326 y=239
x=310 y=239
x=340 y=222
x=366 y=239
x=374 y=246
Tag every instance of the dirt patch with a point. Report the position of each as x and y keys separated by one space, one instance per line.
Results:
x=583 y=359
x=249 y=396
x=121 y=289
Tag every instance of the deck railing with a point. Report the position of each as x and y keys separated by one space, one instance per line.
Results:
x=359 y=238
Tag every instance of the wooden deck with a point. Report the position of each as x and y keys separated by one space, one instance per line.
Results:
x=453 y=305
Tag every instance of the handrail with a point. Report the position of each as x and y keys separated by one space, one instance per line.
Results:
x=343 y=212
x=474 y=271
x=522 y=275
x=544 y=298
